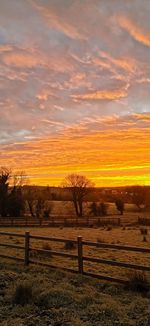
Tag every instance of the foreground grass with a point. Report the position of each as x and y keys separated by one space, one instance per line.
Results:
x=60 y=299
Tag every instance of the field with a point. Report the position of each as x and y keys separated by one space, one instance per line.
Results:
x=114 y=235
x=66 y=208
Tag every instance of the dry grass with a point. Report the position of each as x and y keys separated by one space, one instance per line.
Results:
x=69 y=245
x=144 y=231
x=138 y=281
x=67 y=208
x=128 y=236
x=67 y=300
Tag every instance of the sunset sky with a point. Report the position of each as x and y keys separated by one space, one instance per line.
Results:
x=75 y=90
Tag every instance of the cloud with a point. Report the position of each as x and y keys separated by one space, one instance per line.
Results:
x=5 y=48
x=21 y=60
x=102 y=95
x=112 y=123
x=134 y=30
x=55 y=20
x=128 y=64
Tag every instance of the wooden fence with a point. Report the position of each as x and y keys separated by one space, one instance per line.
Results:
x=144 y=221
x=80 y=243
x=57 y=221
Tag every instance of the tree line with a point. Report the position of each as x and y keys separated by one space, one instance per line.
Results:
x=16 y=198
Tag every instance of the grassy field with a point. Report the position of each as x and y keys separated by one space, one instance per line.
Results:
x=42 y=297
x=66 y=208
x=118 y=235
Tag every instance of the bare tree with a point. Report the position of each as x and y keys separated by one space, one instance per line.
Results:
x=139 y=195
x=120 y=205
x=79 y=186
x=19 y=179
x=38 y=201
x=30 y=199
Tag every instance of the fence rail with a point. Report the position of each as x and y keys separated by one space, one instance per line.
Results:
x=27 y=248
x=144 y=221
x=60 y=221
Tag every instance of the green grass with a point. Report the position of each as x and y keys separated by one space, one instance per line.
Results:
x=53 y=297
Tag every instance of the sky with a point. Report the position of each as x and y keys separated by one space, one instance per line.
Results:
x=75 y=90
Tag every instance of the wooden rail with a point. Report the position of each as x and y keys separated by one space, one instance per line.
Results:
x=58 y=221
x=27 y=248
x=144 y=221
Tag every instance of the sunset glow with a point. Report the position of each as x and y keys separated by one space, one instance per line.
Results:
x=74 y=94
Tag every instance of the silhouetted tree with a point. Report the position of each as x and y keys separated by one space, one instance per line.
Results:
x=39 y=206
x=147 y=198
x=15 y=206
x=29 y=197
x=47 y=209
x=138 y=195
x=11 y=197
x=79 y=186
x=102 y=209
x=93 y=209
x=98 y=209
x=120 y=205
x=38 y=202
x=4 y=182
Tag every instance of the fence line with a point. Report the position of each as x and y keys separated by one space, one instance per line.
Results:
x=27 y=248
x=60 y=221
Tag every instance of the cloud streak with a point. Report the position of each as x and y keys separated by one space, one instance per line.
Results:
x=102 y=95
x=134 y=30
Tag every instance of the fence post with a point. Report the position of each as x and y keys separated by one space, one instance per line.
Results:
x=80 y=255
x=26 y=253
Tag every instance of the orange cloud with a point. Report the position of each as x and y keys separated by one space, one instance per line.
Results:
x=109 y=157
x=134 y=30
x=21 y=60
x=5 y=48
x=43 y=95
x=102 y=95
x=124 y=63
x=56 y=21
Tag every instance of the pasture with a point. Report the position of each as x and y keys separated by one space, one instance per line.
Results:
x=130 y=236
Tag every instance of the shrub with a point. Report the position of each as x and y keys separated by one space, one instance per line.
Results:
x=144 y=231
x=69 y=245
x=46 y=246
x=109 y=228
x=100 y=240
x=98 y=210
x=137 y=281
x=93 y=209
x=46 y=213
x=34 y=254
x=16 y=204
x=42 y=299
x=144 y=239
x=120 y=205
x=37 y=254
x=23 y=294
x=102 y=209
